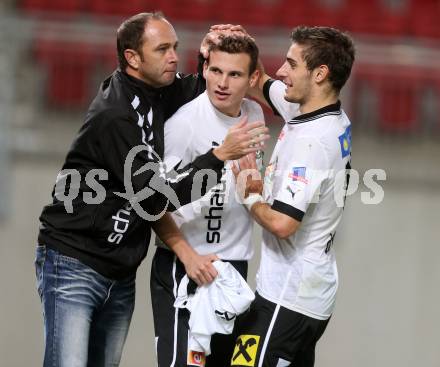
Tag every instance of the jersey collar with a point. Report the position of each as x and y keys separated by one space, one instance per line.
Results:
x=332 y=109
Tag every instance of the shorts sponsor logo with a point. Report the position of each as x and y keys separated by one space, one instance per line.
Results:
x=245 y=351
x=196 y=358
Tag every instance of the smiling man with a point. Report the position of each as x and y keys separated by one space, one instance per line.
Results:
x=217 y=223
x=297 y=278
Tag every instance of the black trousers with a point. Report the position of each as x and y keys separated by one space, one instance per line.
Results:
x=277 y=335
x=171 y=324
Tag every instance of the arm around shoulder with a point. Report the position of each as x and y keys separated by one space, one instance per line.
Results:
x=257 y=91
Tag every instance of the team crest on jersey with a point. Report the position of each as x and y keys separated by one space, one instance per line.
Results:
x=196 y=358
x=245 y=351
x=298 y=174
x=345 y=142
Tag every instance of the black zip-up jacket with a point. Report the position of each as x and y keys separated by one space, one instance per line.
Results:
x=110 y=236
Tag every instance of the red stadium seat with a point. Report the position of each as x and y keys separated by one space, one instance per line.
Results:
x=229 y=11
x=34 y=5
x=171 y=9
x=324 y=14
x=375 y=17
x=193 y=10
x=68 y=67
x=314 y=12
x=117 y=7
x=424 y=19
x=398 y=94
x=291 y=14
x=261 y=13
x=65 y=6
x=109 y=58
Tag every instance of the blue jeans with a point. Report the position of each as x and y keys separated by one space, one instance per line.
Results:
x=86 y=315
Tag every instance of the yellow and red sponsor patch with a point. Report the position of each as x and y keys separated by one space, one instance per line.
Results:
x=245 y=351
x=196 y=358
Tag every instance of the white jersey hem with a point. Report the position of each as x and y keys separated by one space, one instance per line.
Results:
x=293 y=307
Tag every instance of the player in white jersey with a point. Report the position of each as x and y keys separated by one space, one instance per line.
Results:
x=301 y=204
x=217 y=223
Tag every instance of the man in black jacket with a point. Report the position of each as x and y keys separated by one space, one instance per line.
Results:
x=111 y=189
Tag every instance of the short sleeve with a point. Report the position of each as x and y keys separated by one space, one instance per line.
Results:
x=178 y=136
x=301 y=177
x=273 y=91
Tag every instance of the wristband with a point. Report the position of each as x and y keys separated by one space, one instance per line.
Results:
x=251 y=200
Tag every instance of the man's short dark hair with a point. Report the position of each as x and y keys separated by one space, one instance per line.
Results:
x=237 y=45
x=130 y=34
x=326 y=46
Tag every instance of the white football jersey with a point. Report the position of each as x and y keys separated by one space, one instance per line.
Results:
x=217 y=223
x=274 y=94
x=306 y=179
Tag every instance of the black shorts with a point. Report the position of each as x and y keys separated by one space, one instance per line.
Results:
x=276 y=335
x=171 y=324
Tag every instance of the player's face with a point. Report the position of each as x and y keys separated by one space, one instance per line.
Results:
x=296 y=76
x=158 y=64
x=228 y=80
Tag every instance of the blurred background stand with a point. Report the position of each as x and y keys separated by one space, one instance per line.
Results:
x=8 y=60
